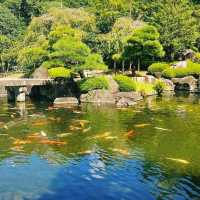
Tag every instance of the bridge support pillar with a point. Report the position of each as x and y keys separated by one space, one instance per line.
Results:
x=16 y=93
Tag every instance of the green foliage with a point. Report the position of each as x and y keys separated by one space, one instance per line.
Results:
x=70 y=51
x=59 y=72
x=93 y=62
x=159 y=87
x=9 y=24
x=176 y=24
x=125 y=83
x=62 y=31
x=169 y=73
x=94 y=83
x=197 y=57
x=144 y=88
x=5 y=43
x=192 y=69
x=157 y=67
x=182 y=72
x=143 y=43
x=31 y=58
x=53 y=64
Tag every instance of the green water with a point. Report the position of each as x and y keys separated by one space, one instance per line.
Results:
x=150 y=151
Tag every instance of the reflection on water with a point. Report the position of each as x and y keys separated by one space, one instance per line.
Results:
x=150 y=151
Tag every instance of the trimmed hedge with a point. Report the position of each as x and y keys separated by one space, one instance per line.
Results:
x=94 y=83
x=192 y=69
x=125 y=83
x=158 y=67
x=169 y=73
x=144 y=88
x=59 y=72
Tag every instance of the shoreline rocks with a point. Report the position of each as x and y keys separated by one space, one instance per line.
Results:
x=188 y=83
x=121 y=99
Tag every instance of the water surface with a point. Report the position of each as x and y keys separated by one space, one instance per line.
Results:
x=150 y=151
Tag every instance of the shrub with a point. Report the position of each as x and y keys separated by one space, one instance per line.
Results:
x=144 y=88
x=197 y=57
x=169 y=73
x=157 y=67
x=59 y=72
x=94 y=83
x=53 y=64
x=125 y=83
x=94 y=62
x=182 y=72
x=194 y=68
x=159 y=87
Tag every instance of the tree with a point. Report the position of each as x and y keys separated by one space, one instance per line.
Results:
x=175 y=22
x=25 y=11
x=93 y=62
x=32 y=57
x=142 y=44
x=70 y=50
x=9 y=24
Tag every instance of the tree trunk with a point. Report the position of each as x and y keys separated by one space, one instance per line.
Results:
x=115 y=67
x=123 y=66
x=138 y=64
x=130 y=66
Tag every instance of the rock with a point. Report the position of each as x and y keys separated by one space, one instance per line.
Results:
x=66 y=100
x=124 y=99
x=169 y=84
x=98 y=96
x=40 y=73
x=181 y=64
x=150 y=79
x=188 y=83
x=113 y=86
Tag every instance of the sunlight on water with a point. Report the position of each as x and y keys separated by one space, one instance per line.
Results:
x=150 y=151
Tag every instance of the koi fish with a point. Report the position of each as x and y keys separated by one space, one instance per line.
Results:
x=162 y=129
x=52 y=142
x=124 y=152
x=63 y=135
x=111 y=137
x=86 y=152
x=43 y=134
x=104 y=135
x=74 y=128
x=40 y=123
x=34 y=136
x=87 y=129
x=141 y=125
x=130 y=134
x=19 y=142
x=5 y=127
x=185 y=162
x=77 y=112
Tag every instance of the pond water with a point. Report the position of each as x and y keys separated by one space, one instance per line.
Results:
x=150 y=151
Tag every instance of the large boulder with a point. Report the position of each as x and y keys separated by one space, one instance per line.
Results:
x=40 y=73
x=66 y=101
x=98 y=96
x=187 y=83
x=169 y=84
x=180 y=64
x=124 y=99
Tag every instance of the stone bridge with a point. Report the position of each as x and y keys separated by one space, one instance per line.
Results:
x=17 y=89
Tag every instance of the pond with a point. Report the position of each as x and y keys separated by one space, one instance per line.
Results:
x=149 y=151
